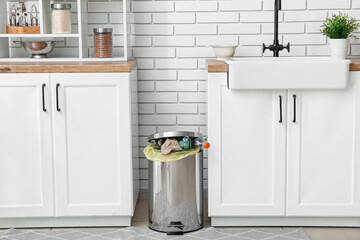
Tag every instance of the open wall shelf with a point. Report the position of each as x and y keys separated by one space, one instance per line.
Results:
x=78 y=45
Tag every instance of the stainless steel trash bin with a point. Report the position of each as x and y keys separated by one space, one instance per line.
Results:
x=176 y=190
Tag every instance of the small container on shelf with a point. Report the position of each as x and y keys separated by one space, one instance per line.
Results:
x=61 y=18
x=21 y=21
x=103 y=42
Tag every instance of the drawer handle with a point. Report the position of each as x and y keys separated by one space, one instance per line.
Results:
x=280 y=102
x=43 y=97
x=57 y=97
x=294 y=119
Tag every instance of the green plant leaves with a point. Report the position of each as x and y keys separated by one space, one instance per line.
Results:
x=340 y=26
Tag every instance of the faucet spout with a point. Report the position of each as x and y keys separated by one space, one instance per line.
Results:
x=276 y=22
x=278 y=5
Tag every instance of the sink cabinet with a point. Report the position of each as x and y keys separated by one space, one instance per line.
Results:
x=68 y=149
x=294 y=163
x=323 y=167
x=247 y=154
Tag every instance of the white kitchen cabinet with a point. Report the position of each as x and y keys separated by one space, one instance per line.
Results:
x=247 y=156
x=304 y=171
x=323 y=170
x=69 y=158
x=92 y=139
x=26 y=183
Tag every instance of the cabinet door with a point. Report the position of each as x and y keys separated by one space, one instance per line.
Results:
x=26 y=179
x=324 y=157
x=247 y=154
x=92 y=144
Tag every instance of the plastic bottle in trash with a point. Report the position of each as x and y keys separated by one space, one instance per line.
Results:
x=201 y=142
x=157 y=143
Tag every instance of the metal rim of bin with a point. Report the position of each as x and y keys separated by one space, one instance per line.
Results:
x=174 y=135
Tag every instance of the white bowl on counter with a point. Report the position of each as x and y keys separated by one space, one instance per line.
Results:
x=224 y=51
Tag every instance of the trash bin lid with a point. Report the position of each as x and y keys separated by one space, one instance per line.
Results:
x=174 y=135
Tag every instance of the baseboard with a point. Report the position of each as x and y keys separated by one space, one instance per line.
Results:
x=143 y=194
x=285 y=221
x=65 y=222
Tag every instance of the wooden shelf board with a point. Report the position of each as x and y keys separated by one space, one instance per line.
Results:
x=71 y=35
x=63 y=59
x=67 y=67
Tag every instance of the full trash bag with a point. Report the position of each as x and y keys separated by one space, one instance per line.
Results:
x=155 y=154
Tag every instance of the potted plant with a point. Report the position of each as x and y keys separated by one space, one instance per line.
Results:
x=339 y=29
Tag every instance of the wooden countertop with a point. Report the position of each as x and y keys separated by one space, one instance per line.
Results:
x=67 y=67
x=214 y=65
x=355 y=65
x=220 y=66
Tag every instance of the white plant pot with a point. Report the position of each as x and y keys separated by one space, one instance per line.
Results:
x=339 y=48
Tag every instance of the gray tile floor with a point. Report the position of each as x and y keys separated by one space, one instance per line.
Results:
x=315 y=233
x=133 y=233
x=141 y=217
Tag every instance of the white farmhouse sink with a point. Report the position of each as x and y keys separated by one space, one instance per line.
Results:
x=288 y=73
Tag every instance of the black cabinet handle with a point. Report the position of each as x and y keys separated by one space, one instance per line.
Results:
x=280 y=102
x=57 y=97
x=294 y=97
x=43 y=97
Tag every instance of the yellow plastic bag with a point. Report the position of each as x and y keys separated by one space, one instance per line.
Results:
x=155 y=154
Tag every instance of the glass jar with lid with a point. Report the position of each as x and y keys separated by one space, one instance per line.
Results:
x=61 y=18
x=103 y=42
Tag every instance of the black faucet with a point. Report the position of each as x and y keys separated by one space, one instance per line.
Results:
x=276 y=47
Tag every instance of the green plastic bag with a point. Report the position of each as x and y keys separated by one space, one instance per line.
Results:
x=185 y=143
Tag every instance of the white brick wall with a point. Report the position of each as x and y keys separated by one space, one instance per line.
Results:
x=171 y=39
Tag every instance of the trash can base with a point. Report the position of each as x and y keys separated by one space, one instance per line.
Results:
x=188 y=231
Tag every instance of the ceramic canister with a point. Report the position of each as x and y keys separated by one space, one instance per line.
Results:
x=339 y=48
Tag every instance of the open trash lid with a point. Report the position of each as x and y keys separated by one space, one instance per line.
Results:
x=174 y=135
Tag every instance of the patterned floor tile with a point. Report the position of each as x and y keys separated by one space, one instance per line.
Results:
x=234 y=238
x=53 y=232
x=140 y=231
x=280 y=238
x=10 y=232
x=185 y=237
x=141 y=238
x=49 y=238
x=98 y=231
x=232 y=231
x=27 y=236
x=276 y=231
x=297 y=234
x=255 y=235
x=134 y=233
x=121 y=234
x=209 y=233
x=73 y=235
x=158 y=235
x=95 y=238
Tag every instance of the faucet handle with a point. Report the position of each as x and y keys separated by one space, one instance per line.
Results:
x=265 y=47
x=288 y=47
